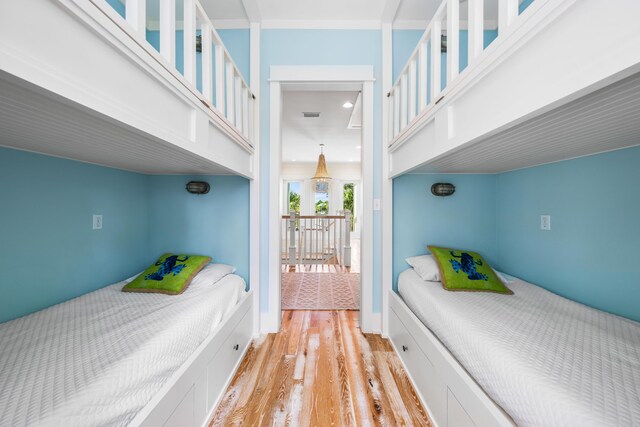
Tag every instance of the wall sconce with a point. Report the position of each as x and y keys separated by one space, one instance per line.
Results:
x=198 y=187
x=442 y=189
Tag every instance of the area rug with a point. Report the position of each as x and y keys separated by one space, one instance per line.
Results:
x=320 y=291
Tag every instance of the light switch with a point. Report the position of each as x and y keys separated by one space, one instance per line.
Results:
x=545 y=222
x=97 y=222
x=376 y=204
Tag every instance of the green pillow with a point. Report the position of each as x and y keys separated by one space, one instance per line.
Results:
x=466 y=271
x=171 y=274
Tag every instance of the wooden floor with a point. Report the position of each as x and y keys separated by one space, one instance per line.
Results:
x=320 y=370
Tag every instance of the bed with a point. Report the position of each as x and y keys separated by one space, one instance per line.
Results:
x=530 y=359
x=115 y=358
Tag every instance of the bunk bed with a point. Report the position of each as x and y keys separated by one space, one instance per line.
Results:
x=520 y=101
x=82 y=81
x=531 y=358
x=119 y=358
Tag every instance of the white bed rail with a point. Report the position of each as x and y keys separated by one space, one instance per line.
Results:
x=223 y=89
x=419 y=85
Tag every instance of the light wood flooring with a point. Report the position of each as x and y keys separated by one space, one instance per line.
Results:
x=320 y=370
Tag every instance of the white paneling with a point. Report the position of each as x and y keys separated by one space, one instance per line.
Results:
x=605 y=120
x=31 y=121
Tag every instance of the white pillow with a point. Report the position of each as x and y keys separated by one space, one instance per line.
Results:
x=426 y=267
x=211 y=274
x=505 y=278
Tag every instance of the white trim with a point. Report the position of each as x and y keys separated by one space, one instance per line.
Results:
x=280 y=76
x=252 y=10
x=386 y=273
x=390 y=10
x=311 y=24
x=255 y=209
x=231 y=24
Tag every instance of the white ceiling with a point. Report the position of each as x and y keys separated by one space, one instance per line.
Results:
x=301 y=136
x=605 y=120
x=33 y=119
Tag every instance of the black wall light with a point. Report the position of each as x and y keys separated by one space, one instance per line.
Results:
x=443 y=189
x=198 y=187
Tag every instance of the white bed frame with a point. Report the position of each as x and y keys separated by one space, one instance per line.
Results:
x=450 y=394
x=192 y=393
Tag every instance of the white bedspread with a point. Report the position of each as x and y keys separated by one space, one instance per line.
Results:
x=546 y=360
x=98 y=359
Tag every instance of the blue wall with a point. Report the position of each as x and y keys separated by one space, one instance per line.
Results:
x=467 y=219
x=590 y=254
x=49 y=252
x=320 y=47
x=215 y=224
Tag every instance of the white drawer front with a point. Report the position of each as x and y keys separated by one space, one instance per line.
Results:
x=225 y=360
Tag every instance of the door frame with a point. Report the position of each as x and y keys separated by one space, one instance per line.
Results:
x=353 y=76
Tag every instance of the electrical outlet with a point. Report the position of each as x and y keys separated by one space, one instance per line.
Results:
x=97 y=222
x=545 y=222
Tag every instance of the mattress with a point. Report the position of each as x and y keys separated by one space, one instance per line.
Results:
x=99 y=359
x=546 y=360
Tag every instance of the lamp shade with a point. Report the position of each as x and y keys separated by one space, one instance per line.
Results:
x=321 y=169
x=442 y=189
x=198 y=187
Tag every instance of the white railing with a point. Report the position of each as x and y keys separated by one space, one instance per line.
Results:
x=419 y=86
x=316 y=240
x=224 y=90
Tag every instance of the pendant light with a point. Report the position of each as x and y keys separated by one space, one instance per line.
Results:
x=321 y=170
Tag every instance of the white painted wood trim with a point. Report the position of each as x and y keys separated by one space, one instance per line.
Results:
x=271 y=323
x=507 y=13
x=436 y=59
x=280 y=75
x=422 y=76
x=476 y=29
x=136 y=13
x=386 y=273
x=207 y=68
x=195 y=371
x=168 y=30
x=230 y=90
x=189 y=50
x=220 y=80
x=366 y=237
x=453 y=39
x=255 y=208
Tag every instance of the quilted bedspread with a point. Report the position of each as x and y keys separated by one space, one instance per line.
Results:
x=98 y=359
x=546 y=360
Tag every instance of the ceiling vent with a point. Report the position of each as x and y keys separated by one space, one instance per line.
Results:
x=310 y=115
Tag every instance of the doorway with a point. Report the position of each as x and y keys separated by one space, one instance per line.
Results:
x=321 y=171
x=319 y=199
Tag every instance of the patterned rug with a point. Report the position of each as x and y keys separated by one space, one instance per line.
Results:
x=320 y=291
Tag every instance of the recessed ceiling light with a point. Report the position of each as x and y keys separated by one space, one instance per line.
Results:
x=293 y=160
x=358 y=147
x=347 y=104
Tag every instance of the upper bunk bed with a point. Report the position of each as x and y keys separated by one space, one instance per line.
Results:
x=81 y=80
x=560 y=80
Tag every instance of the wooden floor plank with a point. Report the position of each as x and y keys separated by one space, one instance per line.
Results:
x=320 y=370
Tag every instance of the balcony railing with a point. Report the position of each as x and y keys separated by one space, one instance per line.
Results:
x=422 y=83
x=207 y=69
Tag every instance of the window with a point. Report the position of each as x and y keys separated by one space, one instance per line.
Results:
x=293 y=200
x=322 y=203
x=348 y=193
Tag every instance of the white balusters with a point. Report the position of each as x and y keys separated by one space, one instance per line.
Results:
x=168 y=30
x=422 y=76
x=246 y=111
x=230 y=90
x=237 y=95
x=207 y=69
x=408 y=98
x=453 y=39
x=136 y=13
x=476 y=29
x=507 y=13
x=189 y=28
x=220 y=80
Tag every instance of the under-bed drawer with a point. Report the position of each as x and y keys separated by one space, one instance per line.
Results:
x=421 y=370
x=227 y=358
